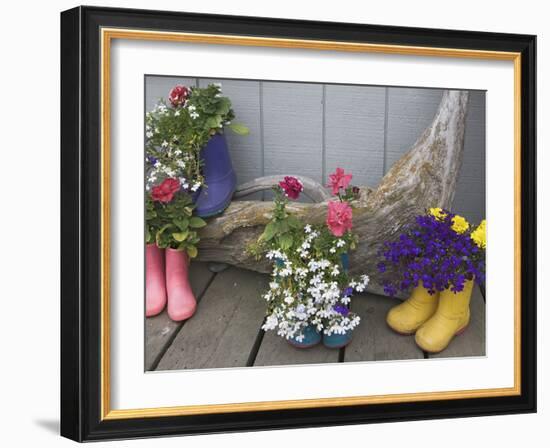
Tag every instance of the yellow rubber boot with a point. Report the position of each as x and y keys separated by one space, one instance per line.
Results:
x=450 y=319
x=408 y=316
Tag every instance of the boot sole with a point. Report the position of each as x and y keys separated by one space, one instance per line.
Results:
x=458 y=333
x=338 y=346
x=303 y=346
x=401 y=333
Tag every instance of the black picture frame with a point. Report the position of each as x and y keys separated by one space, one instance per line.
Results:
x=81 y=224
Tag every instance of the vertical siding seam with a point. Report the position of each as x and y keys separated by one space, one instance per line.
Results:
x=262 y=143
x=324 y=136
x=386 y=107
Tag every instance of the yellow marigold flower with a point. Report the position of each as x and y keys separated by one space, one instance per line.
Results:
x=438 y=213
x=460 y=225
x=479 y=235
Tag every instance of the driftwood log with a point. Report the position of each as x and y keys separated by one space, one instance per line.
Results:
x=424 y=177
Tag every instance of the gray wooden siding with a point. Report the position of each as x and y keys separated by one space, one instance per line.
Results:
x=310 y=129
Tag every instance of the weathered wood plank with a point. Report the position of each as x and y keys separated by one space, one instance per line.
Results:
x=276 y=351
x=354 y=131
x=373 y=340
x=293 y=130
x=158 y=87
x=470 y=188
x=160 y=329
x=223 y=330
x=472 y=341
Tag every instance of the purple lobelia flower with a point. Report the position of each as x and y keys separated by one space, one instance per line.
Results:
x=429 y=250
x=343 y=310
x=348 y=291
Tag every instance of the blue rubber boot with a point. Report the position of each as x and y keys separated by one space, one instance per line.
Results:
x=345 y=262
x=219 y=177
x=337 y=340
x=311 y=337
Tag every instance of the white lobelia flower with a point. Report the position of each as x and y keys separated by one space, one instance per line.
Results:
x=196 y=186
x=149 y=134
x=164 y=144
x=340 y=243
x=194 y=115
x=332 y=250
x=289 y=299
x=307 y=228
x=177 y=113
x=271 y=322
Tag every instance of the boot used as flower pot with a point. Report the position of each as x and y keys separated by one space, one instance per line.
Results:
x=408 y=316
x=155 y=284
x=311 y=338
x=181 y=300
x=450 y=319
x=336 y=340
x=219 y=177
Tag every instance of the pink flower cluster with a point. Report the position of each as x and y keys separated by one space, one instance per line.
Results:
x=166 y=190
x=339 y=181
x=178 y=96
x=340 y=214
x=339 y=218
x=292 y=187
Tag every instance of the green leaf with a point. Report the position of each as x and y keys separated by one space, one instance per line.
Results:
x=282 y=226
x=224 y=106
x=182 y=223
x=294 y=222
x=180 y=236
x=197 y=222
x=192 y=251
x=214 y=122
x=285 y=241
x=269 y=231
x=239 y=129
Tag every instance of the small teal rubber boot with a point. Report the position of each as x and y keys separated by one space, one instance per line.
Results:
x=311 y=338
x=344 y=258
x=337 y=340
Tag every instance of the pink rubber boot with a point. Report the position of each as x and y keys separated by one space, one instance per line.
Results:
x=155 y=286
x=181 y=300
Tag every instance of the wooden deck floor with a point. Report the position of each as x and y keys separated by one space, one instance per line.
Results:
x=226 y=330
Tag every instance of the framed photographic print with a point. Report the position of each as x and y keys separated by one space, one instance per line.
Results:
x=276 y=224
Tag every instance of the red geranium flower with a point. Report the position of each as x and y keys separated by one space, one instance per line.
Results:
x=338 y=180
x=166 y=190
x=292 y=187
x=339 y=217
x=178 y=96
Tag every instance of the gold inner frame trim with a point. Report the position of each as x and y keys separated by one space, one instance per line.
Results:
x=107 y=35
